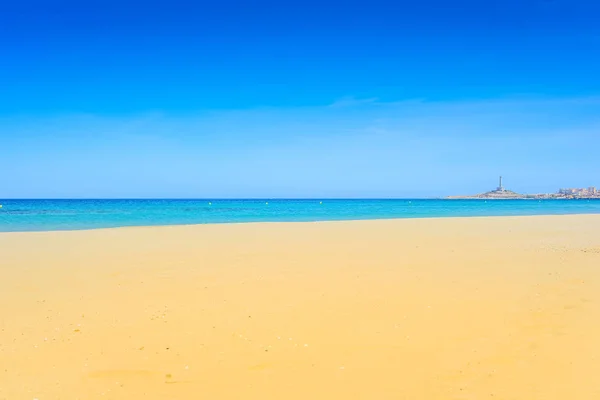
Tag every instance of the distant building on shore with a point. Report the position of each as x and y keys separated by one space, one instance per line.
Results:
x=579 y=192
x=567 y=191
x=502 y=193
x=500 y=188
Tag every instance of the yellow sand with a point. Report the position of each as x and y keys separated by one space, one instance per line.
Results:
x=479 y=308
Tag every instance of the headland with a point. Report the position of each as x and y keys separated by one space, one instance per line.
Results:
x=501 y=193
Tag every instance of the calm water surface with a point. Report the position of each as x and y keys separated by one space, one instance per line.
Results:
x=47 y=215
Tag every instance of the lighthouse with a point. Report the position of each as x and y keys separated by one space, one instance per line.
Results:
x=500 y=187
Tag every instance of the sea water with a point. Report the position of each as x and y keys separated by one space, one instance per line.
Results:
x=48 y=215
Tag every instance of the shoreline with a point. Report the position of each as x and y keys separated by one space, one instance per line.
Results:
x=326 y=221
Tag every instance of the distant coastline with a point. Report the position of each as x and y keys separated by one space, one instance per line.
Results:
x=548 y=196
x=509 y=195
x=500 y=193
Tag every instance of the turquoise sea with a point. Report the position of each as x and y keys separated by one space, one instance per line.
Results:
x=49 y=215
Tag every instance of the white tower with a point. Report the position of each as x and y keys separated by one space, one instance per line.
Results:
x=500 y=187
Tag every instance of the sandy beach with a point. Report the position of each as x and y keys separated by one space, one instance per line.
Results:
x=456 y=308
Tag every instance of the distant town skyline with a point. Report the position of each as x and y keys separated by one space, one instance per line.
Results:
x=502 y=192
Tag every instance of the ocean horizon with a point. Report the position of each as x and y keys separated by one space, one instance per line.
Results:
x=26 y=215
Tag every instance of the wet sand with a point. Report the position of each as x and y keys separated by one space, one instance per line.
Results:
x=457 y=308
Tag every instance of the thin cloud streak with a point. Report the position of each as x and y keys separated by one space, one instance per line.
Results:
x=402 y=149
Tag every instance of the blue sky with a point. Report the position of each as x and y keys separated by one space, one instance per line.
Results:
x=297 y=99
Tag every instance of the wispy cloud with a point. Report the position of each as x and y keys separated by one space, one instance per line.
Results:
x=350 y=101
x=505 y=117
x=367 y=147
